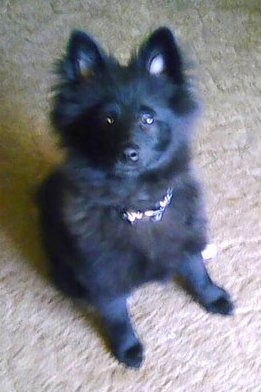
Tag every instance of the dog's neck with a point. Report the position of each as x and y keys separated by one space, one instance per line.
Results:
x=153 y=215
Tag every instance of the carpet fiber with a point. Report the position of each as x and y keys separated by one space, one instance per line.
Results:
x=46 y=343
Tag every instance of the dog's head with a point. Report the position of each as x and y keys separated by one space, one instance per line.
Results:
x=124 y=119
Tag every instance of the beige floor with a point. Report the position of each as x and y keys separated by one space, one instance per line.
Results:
x=46 y=344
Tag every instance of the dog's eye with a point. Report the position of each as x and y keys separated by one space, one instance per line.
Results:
x=110 y=120
x=147 y=119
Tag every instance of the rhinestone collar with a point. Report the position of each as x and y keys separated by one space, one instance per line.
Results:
x=153 y=215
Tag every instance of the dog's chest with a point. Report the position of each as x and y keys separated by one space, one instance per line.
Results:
x=158 y=247
x=159 y=239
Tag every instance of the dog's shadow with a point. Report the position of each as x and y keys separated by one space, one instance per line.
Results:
x=26 y=158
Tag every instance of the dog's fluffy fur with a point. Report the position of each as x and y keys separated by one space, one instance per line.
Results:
x=127 y=133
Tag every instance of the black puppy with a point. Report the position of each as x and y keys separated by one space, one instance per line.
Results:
x=124 y=208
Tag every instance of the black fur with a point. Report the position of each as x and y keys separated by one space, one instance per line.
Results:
x=127 y=131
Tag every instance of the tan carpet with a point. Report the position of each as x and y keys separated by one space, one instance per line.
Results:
x=46 y=344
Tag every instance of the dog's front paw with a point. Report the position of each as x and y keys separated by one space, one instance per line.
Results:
x=217 y=300
x=130 y=355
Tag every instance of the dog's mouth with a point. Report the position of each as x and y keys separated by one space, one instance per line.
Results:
x=122 y=170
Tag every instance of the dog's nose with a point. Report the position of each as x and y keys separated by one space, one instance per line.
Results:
x=131 y=154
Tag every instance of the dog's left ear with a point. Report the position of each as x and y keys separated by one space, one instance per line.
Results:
x=160 y=55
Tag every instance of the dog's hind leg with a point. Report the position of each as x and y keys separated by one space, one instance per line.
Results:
x=117 y=326
x=212 y=297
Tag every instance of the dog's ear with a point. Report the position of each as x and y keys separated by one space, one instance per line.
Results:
x=84 y=57
x=160 y=55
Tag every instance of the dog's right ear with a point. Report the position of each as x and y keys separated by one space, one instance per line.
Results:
x=84 y=57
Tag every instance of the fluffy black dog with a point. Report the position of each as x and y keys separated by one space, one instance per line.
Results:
x=124 y=208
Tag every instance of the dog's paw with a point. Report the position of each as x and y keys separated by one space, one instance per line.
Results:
x=131 y=356
x=218 y=301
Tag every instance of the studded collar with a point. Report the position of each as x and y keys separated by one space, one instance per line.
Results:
x=153 y=215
